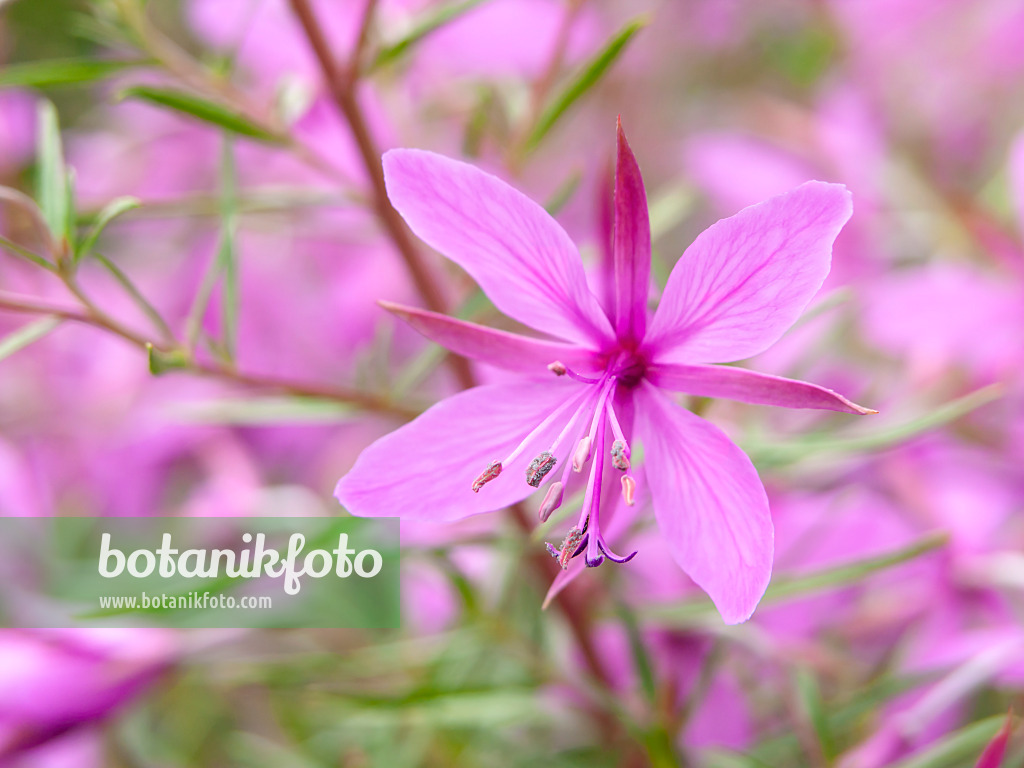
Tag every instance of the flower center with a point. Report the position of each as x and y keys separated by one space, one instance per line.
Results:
x=592 y=436
x=629 y=369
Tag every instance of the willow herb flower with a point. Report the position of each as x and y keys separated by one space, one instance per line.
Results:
x=600 y=386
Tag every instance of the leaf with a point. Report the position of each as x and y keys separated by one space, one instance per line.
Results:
x=992 y=757
x=56 y=72
x=428 y=23
x=227 y=254
x=641 y=660
x=767 y=454
x=584 y=80
x=26 y=335
x=51 y=173
x=204 y=110
x=262 y=410
x=956 y=749
x=811 y=702
x=110 y=211
x=783 y=588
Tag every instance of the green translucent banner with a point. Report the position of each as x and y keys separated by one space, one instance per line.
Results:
x=199 y=572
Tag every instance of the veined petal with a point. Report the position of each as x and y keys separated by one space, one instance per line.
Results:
x=425 y=469
x=631 y=245
x=749 y=387
x=521 y=258
x=709 y=503
x=489 y=345
x=745 y=280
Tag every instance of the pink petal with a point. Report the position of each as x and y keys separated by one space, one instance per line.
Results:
x=749 y=387
x=709 y=503
x=992 y=757
x=500 y=348
x=631 y=246
x=425 y=469
x=522 y=259
x=745 y=280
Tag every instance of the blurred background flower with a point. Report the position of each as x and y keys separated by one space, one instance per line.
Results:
x=226 y=156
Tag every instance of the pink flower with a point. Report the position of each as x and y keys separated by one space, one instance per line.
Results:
x=734 y=292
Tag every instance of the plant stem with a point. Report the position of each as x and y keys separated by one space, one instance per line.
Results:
x=341 y=83
x=98 y=319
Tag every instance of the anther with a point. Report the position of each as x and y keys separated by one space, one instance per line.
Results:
x=552 y=501
x=629 y=489
x=620 y=455
x=569 y=547
x=558 y=368
x=490 y=472
x=582 y=455
x=539 y=467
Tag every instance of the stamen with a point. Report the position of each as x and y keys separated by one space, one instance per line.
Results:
x=620 y=448
x=576 y=399
x=552 y=500
x=569 y=548
x=539 y=467
x=490 y=472
x=582 y=455
x=620 y=455
x=629 y=489
x=561 y=369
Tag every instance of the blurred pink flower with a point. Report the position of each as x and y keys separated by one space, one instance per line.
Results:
x=53 y=681
x=740 y=285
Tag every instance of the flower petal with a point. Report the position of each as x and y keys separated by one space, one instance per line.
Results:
x=748 y=387
x=745 y=280
x=425 y=469
x=521 y=258
x=631 y=245
x=992 y=756
x=709 y=503
x=489 y=345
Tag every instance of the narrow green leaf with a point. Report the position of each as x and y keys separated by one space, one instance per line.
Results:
x=227 y=250
x=852 y=573
x=262 y=410
x=52 y=178
x=428 y=23
x=814 y=708
x=785 y=588
x=205 y=110
x=962 y=747
x=56 y=72
x=26 y=335
x=25 y=253
x=641 y=660
x=584 y=80
x=785 y=453
x=110 y=211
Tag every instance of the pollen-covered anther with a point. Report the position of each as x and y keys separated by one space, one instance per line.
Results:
x=629 y=489
x=490 y=472
x=572 y=541
x=558 y=368
x=620 y=455
x=582 y=455
x=552 y=501
x=539 y=468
